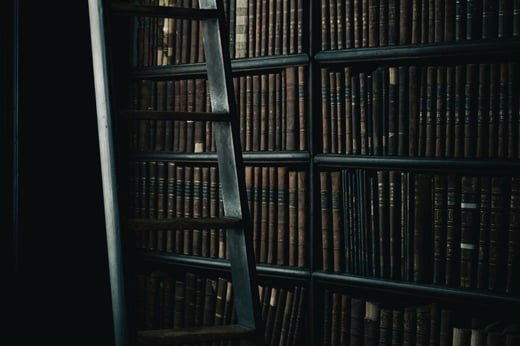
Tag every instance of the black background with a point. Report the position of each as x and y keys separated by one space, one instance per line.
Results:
x=62 y=286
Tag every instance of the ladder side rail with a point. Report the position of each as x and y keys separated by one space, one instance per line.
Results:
x=108 y=171
x=227 y=141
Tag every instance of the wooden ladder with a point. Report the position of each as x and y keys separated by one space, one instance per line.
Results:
x=227 y=142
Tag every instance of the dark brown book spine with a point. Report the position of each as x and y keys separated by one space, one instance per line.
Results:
x=264 y=211
x=335 y=318
x=213 y=210
x=422 y=331
x=210 y=293
x=302 y=211
x=393 y=22
x=469 y=218
x=188 y=208
x=423 y=236
x=383 y=23
x=256 y=209
x=430 y=111
x=393 y=116
x=384 y=237
x=293 y=218
x=161 y=203
x=301 y=110
x=152 y=203
x=357 y=314
x=409 y=325
x=505 y=11
x=482 y=108
x=348 y=110
x=385 y=326
x=403 y=110
x=439 y=228
x=337 y=222
x=449 y=21
x=282 y=245
x=325 y=195
x=440 y=112
x=452 y=233
x=489 y=18
x=325 y=111
x=413 y=109
x=197 y=210
x=363 y=113
x=371 y=324
x=286 y=318
x=170 y=204
x=355 y=114
x=272 y=218
x=513 y=239
x=333 y=115
x=377 y=110
x=262 y=146
x=459 y=111
x=512 y=111
x=394 y=226
x=327 y=316
x=460 y=20
x=373 y=22
x=439 y=20
x=325 y=25
x=473 y=19
x=497 y=235
x=483 y=240
x=405 y=22
x=446 y=328
x=397 y=327
x=470 y=108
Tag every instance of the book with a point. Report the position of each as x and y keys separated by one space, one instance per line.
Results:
x=469 y=218
x=371 y=323
x=325 y=220
x=497 y=235
x=513 y=243
x=357 y=315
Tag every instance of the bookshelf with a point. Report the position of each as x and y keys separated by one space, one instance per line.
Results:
x=409 y=130
x=381 y=149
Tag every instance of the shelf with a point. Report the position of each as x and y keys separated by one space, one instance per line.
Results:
x=409 y=53
x=420 y=290
x=211 y=157
x=223 y=265
x=237 y=65
x=429 y=164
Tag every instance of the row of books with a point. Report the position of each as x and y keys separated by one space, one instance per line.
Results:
x=357 y=321
x=271 y=107
x=378 y=23
x=469 y=111
x=165 y=301
x=255 y=28
x=277 y=202
x=268 y=27
x=460 y=231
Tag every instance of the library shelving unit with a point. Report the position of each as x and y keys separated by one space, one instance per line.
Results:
x=415 y=179
x=381 y=145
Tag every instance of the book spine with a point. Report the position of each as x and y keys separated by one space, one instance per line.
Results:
x=513 y=239
x=483 y=240
x=469 y=218
x=325 y=219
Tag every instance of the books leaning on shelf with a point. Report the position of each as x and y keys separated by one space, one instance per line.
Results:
x=193 y=300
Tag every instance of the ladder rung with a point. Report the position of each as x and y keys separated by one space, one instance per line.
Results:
x=164 y=11
x=194 y=335
x=184 y=223
x=195 y=116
